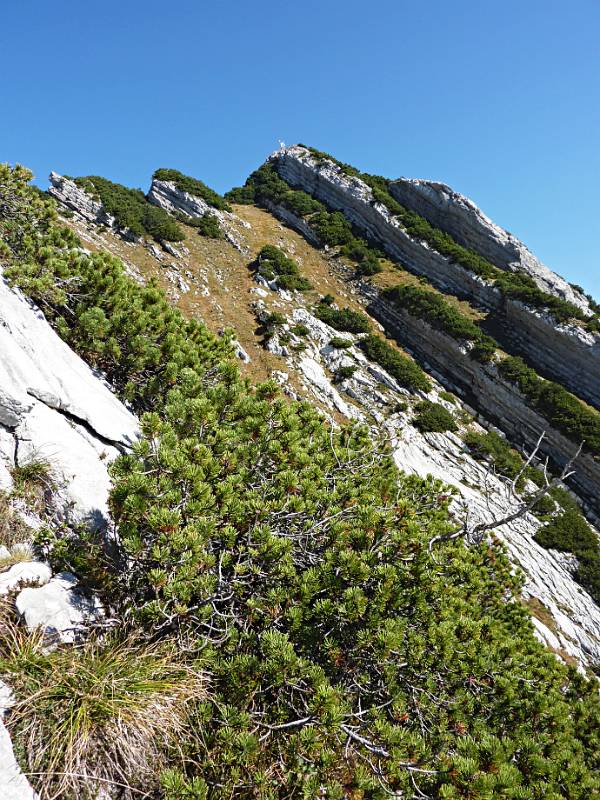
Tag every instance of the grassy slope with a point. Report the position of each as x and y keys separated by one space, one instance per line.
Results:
x=224 y=270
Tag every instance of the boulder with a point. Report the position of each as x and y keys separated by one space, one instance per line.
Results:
x=22 y=574
x=568 y=353
x=59 y=608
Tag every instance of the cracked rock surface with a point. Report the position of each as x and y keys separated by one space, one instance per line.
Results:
x=53 y=408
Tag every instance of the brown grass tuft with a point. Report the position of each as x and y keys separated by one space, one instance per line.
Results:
x=105 y=715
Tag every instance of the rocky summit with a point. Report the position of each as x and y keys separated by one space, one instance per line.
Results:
x=299 y=493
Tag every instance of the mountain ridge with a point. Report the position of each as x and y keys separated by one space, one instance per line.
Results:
x=322 y=345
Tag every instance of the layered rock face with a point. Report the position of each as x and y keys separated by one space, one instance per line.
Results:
x=373 y=396
x=565 y=352
x=483 y=387
x=54 y=409
x=166 y=195
x=69 y=194
x=463 y=220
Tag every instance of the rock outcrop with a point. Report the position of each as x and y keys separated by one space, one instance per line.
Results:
x=59 y=608
x=571 y=621
x=55 y=410
x=89 y=208
x=564 y=352
x=483 y=388
x=166 y=195
x=465 y=222
x=13 y=783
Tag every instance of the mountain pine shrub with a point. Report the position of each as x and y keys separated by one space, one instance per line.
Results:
x=433 y=417
x=342 y=319
x=438 y=312
x=567 y=413
x=131 y=209
x=209 y=226
x=185 y=183
x=291 y=563
x=406 y=371
x=273 y=264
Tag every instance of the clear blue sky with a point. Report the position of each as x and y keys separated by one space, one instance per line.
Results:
x=499 y=99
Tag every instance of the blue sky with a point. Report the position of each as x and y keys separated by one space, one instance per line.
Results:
x=499 y=99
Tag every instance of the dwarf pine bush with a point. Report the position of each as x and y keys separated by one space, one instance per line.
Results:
x=292 y=562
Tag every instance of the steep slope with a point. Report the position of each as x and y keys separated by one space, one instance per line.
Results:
x=56 y=415
x=467 y=224
x=212 y=279
x=565 y=351
x=53 y=409
x=355 y=640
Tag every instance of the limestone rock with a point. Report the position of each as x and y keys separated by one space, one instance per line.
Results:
x=69 y=194
x=566 y=351
x=462 y=219
x=54 y=408
x=241 y=353
x=482 y=384
x=165 y=194
x=24 y=573
x=13 y=784
x=59 y=608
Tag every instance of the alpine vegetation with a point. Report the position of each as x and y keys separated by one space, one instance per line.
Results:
x=288 y=615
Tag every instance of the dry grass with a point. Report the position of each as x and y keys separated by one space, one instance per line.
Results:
x=13 y=529
x=218 y=267
x=106 y=715
x=538 y=610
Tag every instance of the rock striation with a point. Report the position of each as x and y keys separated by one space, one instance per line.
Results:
x=482 y=387
x=166 y=195
x=465 y=222
x=55 y=409
x=72 y=196
x=566 y=353
x=571 y=626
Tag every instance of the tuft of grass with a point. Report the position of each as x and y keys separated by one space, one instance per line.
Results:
x=106 y=715
x=12 y=528
x=32 y=481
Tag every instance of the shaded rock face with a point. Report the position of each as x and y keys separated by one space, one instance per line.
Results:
x=565 y=352
x=53 y=408
x=462 y=219
x=484 y=388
